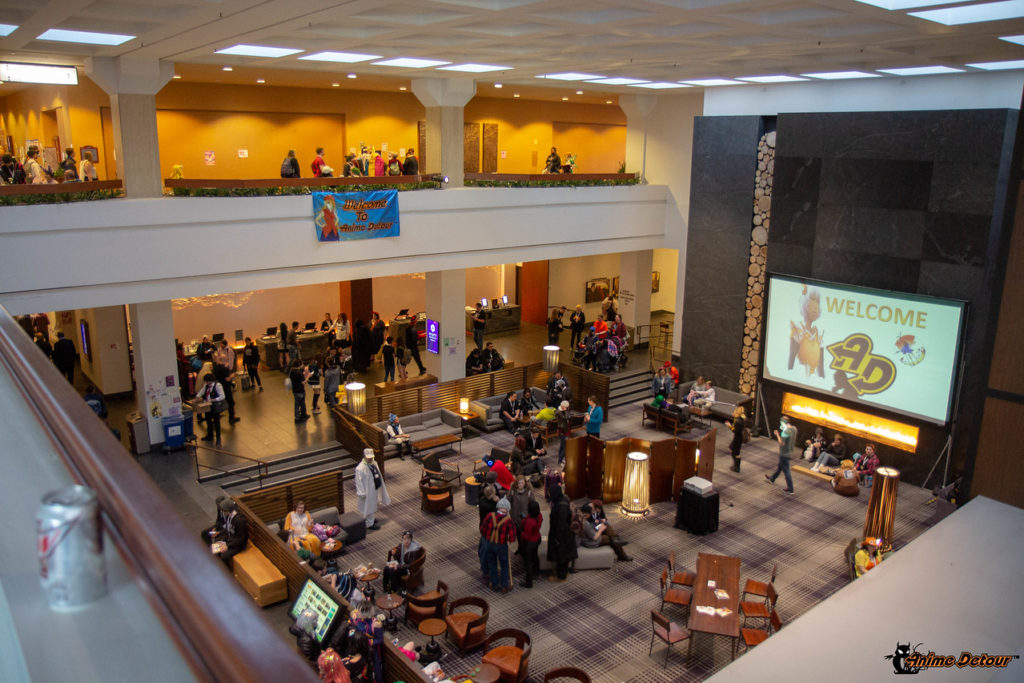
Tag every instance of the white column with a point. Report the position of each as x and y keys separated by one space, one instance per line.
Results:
x=132 y=84
x=637 y=108
x=445 y=100
x=156 y=364
x=446 y=303
x=635 y=288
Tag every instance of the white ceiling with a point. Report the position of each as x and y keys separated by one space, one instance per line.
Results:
x=659 y=40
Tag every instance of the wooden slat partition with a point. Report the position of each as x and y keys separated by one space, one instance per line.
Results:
x=614 y=474
x=686 y=464
x=477 y=386
x=59 y=188
x=663 y=467
x=575 y=466
x=355 y=435
x=585 y=383
x=274 y=502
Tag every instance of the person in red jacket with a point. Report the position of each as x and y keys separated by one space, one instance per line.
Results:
x=867 y=463
x=498 y=531
x=529 y=541
x=318 y=163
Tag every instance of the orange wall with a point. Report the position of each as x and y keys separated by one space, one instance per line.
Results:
x=599 y=147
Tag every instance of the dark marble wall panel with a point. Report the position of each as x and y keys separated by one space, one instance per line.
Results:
x=963 y=188
x=870 y=230
x=884 y=183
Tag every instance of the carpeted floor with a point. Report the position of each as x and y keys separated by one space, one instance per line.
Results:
x=600 y=621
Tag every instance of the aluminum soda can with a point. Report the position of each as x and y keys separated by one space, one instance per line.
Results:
x=70 y=545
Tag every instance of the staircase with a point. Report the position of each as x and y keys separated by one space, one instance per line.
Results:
x=628 y=386
x=289 y=467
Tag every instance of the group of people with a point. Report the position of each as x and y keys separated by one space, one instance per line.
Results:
x=604 y=347
x=488 y=360
x=31 y=170
x=553 y=164
x=368 y=162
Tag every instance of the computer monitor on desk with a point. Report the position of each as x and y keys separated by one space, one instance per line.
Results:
x=218 y=338
x=271 y=332
x=310 y=327
x=504 y=299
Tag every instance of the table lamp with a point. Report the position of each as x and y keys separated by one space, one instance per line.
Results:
x=551 y=358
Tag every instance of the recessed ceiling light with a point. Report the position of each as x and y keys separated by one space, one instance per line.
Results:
x=411 y=62
x=771 y=78
x=565 y=99
x=711 y=82
x=999 y=66
x=475 y=68
x=905 y=4
x=579 y=92
x=402 y=87
x=498 y=85
x=7 y=29
x=921 y=70
x=261 y=80
x=619 y=81
x=346 y=57
x=516 y=95
x=226 y=68
x=608 y=102
x=335 y=85
x=1019 y=40
x=570 y=76
x=257 y=51
x=176 y=77
x=351 y=75
x=840 y=75
x=973 y=14
x=88 y=37
x=661 y=85
x=38 y=73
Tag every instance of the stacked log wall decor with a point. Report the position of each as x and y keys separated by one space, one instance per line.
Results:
x=755 y=301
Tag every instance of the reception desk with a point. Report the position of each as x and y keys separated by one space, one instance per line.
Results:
x=310 y=345
x=497 y=319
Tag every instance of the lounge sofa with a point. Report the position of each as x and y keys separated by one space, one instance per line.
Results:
x=488 y=409
x=438 y=422
x=725 y=400
x=602 y=557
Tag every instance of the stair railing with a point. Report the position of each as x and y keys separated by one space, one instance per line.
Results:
x=262 y=466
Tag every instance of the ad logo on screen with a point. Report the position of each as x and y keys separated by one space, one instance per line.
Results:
x=858 y=368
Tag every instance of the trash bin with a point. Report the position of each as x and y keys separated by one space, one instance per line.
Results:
x=138 y=433
x=472 y=491
x=186 y=414
x=174 y=433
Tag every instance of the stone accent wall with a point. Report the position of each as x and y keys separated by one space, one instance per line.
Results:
x=761 y=221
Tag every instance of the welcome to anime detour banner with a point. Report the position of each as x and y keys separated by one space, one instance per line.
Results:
x=341 y=216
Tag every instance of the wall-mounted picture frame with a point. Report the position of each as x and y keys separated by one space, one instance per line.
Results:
x=615 y=284
x=91 y=149
x=655 y=281
x=597 y=290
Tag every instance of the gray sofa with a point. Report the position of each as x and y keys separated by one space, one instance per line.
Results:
x=725 y=400
x=427 y=425
x=488 y=409
x=602 y=557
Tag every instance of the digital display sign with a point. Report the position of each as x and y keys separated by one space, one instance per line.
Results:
x=317 y=599
x=433 y=336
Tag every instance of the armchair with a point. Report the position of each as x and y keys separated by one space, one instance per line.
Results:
x=438 y=468
x=513 y=661
x=434 y=496
x=467 y=629
x=414 y=579
x=426 y=606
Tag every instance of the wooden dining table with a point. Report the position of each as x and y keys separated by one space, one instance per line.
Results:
x=724 y=572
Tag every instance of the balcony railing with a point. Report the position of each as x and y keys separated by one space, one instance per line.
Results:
x=549 y=179
x=272 y=187
x=58 y=193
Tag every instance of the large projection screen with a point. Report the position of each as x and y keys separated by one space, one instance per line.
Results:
x=886 y=350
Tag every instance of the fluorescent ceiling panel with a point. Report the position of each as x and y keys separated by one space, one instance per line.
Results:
x=7 y=29
x=712 y=82
x=38 y=73
x=841 y=75
x=411 y=62
x=571 y=76
x=905 y=4
x=258 y=51
x=973 y=14
x=1019 y=40
x=999 y=66
x=88 y=37
x=921 y=71
x=345 y=57
x=772 y=78
x=475 y=68
x=660 y=85
x=619 y=81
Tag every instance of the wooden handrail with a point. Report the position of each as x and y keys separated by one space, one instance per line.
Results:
x=548 y=177
x=218 y=629
x=59 y=188
x=228 y=183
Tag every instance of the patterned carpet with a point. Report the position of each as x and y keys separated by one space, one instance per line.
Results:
x=599 y=621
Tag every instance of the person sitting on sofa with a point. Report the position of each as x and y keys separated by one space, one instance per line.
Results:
x=509 y=413
x=399 y=559
x=703 y=398
x=558 y=389
x=662 y=384
x=832 y=454
x=535 y=442
x=526 y=404
x=596 y=534
x=397 y=437
x=698 y=385
x=523 y=460
x=299 y=524
x=231 y=531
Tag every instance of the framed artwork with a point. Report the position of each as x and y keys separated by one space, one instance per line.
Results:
x=597 y=290
x=655 y=281
x=615 y=284
x=91 y=149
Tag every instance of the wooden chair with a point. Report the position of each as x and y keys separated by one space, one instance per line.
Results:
x=755 y=636
x=567 y=672
x=435 y=467
x=653 y=414
x=513 y=661
x=680 y=578
x=674 y=596
x=467 y=629
x=670 y=632
x=414 y=579
x=429 y=605
x=758 y=609
x=435 y=497
x=757 y=587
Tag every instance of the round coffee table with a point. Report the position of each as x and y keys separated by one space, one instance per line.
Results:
x=432 y=628
x=389 y=603
x=486 y=673
x=367 y=577
x=333 y=553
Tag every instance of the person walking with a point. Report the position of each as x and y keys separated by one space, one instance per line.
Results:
x=402 y=357
x=479 y=321
x=786 y=436
x=318 y=163
x=595 y=416
x=251 y=362
x=313 y=381
x=738 y=424
x=290 y=166
x=64 y=355
x=332 y=380
x=297 y=377
x=412 y=344
x=555 y=327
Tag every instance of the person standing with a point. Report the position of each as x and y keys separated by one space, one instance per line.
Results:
x=297 y=378
x=577 y=322
x=34 y=173
x=561 y=539
x=332 y=380
x=412 y=343
x=387 y=354
x=376 y=335
x=361 y=353
x=595 y=416
x=661 y=385
x=554 y=327
x=479 y=321
x=562 y=422
x=86 y=169
x=293 y=342
x=370 y=489
x=380 y=167
x=64 y=356
x=282 y=347
x=251 y=362
x=213 y=393
x=412 y=164
x=498 y=530
x=313 y=381
x=342 y=333
x=738 y=424
x=290 y=165
x=786 y=436
x=44 y=345
x=529 y=541
x=318 y=163
x=69 y=164
x=225 y=376
x=327 y=327
x=553 y=164
x=402 y=357
x=231 y=529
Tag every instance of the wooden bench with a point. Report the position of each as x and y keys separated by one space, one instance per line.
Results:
x=259 y=577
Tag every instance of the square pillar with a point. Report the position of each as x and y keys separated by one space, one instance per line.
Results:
x=446 y=303
x=445 y=101
x=156 y=363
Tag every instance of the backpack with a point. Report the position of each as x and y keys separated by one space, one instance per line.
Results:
x=746 y=435
x=286 y=168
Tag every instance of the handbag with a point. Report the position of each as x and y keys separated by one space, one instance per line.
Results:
x=746 y=435
x=219 y=407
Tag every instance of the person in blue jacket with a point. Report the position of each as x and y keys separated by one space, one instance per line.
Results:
x=595 y=416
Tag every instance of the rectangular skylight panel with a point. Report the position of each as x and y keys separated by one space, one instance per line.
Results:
x=411 y=62
x=475 y=68
x=973 y=14
x=711 y=82
x=571 y=76
x=999 y=66
x=1019 y=40
x=344 y=57
x=921 y=71
x=258 y=51
x=772 y=78
x=841 y=75
x=38 y=73
x=619 y=81
x=661 y=85
x=906 y=4
x=88 y=37
x=7 y=29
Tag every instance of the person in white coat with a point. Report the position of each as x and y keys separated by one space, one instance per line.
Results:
x=370 y=488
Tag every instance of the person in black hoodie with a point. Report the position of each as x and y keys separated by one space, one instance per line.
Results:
x=64 y=355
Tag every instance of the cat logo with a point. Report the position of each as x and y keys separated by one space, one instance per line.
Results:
x=868 y=373
x=905 y=661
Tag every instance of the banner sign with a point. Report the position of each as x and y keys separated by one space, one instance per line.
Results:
x=884 y=349
x=341 y=216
